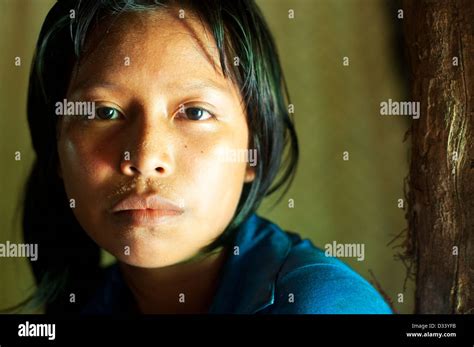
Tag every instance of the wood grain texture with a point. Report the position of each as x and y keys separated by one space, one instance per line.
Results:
x=441 y=199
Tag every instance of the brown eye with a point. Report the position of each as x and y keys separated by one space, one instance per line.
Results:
x=107 y=113
x=197 y=113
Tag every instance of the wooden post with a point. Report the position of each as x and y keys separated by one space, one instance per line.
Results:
x=440 y=47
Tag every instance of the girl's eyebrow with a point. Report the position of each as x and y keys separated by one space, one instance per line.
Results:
x=199 y=84
x=193 y=85
x=86 y=85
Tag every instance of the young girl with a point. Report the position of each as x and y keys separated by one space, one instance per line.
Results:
x=139 y=112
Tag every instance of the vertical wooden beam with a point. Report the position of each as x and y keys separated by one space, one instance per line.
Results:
x=440 y=46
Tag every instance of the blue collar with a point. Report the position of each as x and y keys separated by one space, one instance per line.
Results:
x=247 y=283
x=249 y=275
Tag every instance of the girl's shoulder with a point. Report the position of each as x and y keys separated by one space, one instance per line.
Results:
x=293 y=276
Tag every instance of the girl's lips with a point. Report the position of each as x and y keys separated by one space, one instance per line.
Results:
x=145 y=210
x=146 y=217
x=146 y=202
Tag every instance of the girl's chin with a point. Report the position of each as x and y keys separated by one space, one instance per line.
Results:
x=147 y=262
x=148 y=251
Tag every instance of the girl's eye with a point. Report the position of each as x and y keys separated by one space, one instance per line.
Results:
x=107 y=113
x=197 y=113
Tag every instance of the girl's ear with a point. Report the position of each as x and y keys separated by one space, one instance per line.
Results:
x=249 y=174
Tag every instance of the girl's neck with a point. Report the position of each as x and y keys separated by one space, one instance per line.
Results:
x=187 y=287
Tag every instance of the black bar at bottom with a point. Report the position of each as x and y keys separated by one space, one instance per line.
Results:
x=399 y=330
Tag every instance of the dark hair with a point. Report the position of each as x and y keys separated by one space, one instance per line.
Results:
x=70 y=260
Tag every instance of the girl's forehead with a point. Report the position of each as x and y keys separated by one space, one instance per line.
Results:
x=154 y=43
x=157 y=32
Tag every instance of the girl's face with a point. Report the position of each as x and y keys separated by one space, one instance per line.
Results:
x=147 y=173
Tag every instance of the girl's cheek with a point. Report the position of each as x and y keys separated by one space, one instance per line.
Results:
x=85 y=160
x=200 y=156
x=217 y=181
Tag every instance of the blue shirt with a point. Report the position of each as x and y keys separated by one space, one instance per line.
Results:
x=274 y=272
